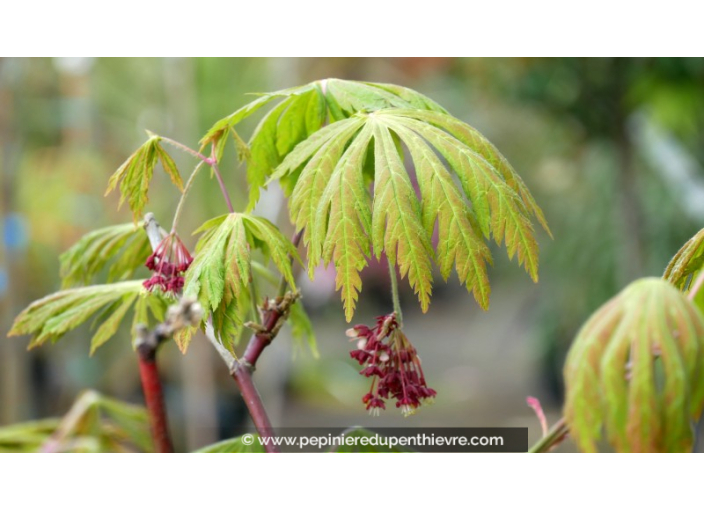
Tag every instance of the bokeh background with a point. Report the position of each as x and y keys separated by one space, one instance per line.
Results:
x=611 y=148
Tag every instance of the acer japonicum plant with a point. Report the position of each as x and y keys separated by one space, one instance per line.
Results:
x=368 y=169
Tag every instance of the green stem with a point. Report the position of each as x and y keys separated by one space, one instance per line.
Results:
x=212 y=161
x=296 y=240
x=394 y=293
x=185 y=148
x=223 y=189
x=555 y=435
x=253 y=295
x=186 y=189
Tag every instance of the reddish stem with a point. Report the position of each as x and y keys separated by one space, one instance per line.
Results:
x=242 y=374
x=154 y=397
x=242 y=371
x=260 y=340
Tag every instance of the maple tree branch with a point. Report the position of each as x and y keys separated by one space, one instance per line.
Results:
x=186 y=189
x=147 y=345
x=274 y=313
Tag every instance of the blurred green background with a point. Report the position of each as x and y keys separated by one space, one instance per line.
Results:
x=611 y=148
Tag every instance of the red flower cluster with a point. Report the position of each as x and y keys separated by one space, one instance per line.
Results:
x=391 y=360
x=168 y=262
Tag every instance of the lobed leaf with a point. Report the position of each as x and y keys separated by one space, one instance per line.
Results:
x=459 y=242
x=126 y=243
x=343 y=222
x=331 y=199
x=299 y=115
x=134 y=175
x=397 y=229
x=50 y=318
x=219 y=275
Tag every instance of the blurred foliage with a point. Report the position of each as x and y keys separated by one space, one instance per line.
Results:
x=613 y=212
x=93 y=424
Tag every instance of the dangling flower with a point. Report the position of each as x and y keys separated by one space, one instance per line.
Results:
x=389 y=358
x=169 y=262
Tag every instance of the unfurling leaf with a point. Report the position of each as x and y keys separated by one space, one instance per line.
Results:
x=687 y=262
x=636 y=368
x=220 y=273
x=51 y=317
x=84 y=260
x=343 y=221
x=135 y=174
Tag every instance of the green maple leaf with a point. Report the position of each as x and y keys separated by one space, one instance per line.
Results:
x=327 y=170
x=345 y=221
x=50 y=318
x=85 y=259
x=301 y=112
x=220 y=273
x=134 y=175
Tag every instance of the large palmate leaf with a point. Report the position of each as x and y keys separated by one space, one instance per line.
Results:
x=344 y=221
x=220 y=273
x=301 y=112
x=85 y=259
x=135 y=174
x=50 y=318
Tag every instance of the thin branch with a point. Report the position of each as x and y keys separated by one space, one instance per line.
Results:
x=186 y=189
x=274 y=314
x=147 y=344
x=212 y=161
x=295 y=240
x=154 y=232
x=214 y=165
x=242 y=374
x=555 y=436
x=253 y=300
x=185 y=148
